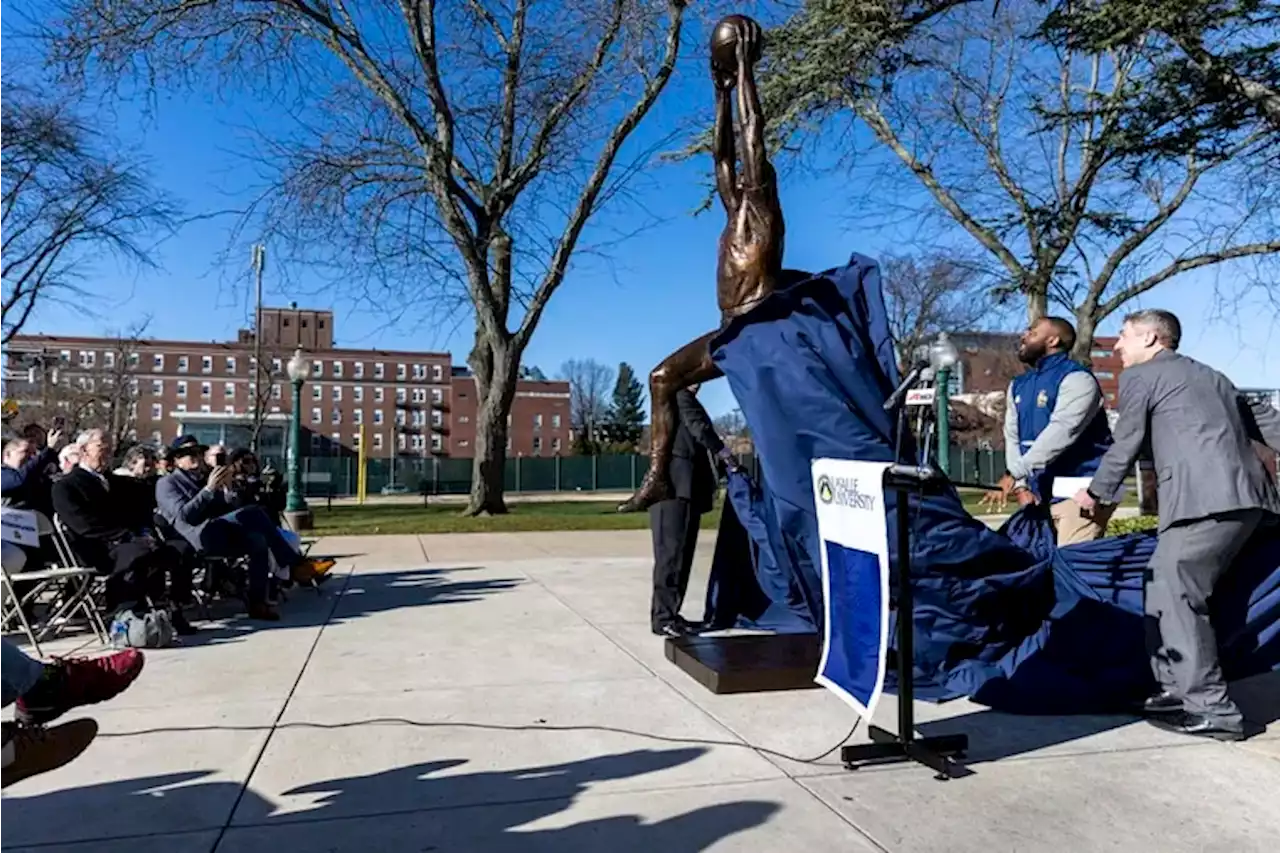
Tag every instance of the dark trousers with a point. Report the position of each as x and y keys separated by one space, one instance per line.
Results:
x=248 y=532
x=142 y=567
x=674 y=525
x=1189 y=559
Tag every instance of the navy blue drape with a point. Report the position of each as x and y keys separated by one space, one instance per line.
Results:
x=999 y=616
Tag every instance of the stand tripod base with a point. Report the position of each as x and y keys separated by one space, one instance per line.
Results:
x=938 y=753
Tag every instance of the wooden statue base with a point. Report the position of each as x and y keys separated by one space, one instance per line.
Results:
x=748 y=663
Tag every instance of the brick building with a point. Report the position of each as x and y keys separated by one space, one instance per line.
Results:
x=989 y=361
x=408 y=403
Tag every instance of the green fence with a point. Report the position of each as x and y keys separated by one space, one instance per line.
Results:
x=337 y=476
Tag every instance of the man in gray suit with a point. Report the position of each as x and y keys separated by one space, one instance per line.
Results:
x=1213 y=493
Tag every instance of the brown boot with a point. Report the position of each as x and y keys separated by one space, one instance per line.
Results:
x=31 y=750
x=311 y=570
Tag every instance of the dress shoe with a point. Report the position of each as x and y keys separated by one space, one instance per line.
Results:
x=1163 y=702
x=672 y=629
x=263 y=612
x=1200 y=725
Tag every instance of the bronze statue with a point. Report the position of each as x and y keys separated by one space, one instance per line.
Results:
x=750 y=257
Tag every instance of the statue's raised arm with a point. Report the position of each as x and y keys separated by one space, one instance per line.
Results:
x=750 y=256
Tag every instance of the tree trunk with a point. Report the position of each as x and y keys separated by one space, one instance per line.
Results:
x=1037 y=301
x=495 y=372
x=1086 y=326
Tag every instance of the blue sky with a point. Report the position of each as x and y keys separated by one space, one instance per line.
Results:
x=653 y=294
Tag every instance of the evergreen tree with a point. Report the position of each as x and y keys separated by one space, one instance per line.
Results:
x=626 y=415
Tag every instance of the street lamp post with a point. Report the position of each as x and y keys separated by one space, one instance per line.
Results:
x=943 y=356
x=296 y=511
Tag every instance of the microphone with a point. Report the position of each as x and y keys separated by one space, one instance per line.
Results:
x=912 y=377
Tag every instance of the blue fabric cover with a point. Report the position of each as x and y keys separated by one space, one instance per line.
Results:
x=1035 y=395
x=999 y=616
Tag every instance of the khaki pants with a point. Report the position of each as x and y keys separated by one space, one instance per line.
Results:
x=1071 y=525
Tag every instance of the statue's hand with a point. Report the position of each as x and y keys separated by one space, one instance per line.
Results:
x=724 y=80
x=750 y=42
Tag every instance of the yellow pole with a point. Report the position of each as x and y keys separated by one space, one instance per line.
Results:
x=362 y=473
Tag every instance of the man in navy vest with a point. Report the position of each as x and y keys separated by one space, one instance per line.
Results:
x=1055 y=429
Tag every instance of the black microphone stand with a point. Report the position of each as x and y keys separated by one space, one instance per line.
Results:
x=939 y=752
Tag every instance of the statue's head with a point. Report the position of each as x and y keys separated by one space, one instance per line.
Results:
x=725 y=38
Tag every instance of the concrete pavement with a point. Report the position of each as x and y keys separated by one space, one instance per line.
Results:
x=501 y=692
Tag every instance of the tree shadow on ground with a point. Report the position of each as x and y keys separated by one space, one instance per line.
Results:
x=418 y=807
x=352 y=596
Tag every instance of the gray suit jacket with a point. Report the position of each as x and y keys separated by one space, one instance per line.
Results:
x=187 y=505
x=1198 y=429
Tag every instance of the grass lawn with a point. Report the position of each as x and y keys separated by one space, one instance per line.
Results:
x=522 y=517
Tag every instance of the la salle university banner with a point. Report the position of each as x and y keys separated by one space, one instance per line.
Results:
x=853 y=536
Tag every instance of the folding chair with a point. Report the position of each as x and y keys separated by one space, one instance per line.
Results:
x=68 y=588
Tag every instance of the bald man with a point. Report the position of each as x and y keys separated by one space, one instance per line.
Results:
x=1054 y=428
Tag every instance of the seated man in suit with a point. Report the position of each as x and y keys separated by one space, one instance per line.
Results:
x=24 y=478
x=674 y=523
x=201 y=506
x=106 y=516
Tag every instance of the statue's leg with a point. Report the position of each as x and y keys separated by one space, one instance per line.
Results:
x=686 y=366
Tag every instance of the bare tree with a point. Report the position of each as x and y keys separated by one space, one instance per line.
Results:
x=68 y=200
x=437 y=145
x=590 y=394
x=1024 y=147
x=99 y=392
x=933 y=293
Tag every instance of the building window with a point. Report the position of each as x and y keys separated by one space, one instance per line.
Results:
x=206 y=389
x=402 y=440
x=276 y=367
x=276 y=391
x=377 y=395
x=555 y=422
x=231 y=364
x=464 y=419
x=230 y=410
x=1105 y=374
x=537 y=421
x=357 y=370
x=336 y=441
x=401 y=395
x=419 y=418
x=357 y=394
x=537 y=445
x=419 y=395
x=65 y=356
x=437 y=443
x=463 y=443
x=437 y=372
x=377 y=370
x=1111 y=398
x=206 y=409
x=337 y=370
x=419 y=442
x=206 y=364
x=315 y=442
x=157 y=437
x=157 y=387
x=355 y=440
x=377 y=416
x=315 y=416
x=182 y=364
x=275 y=410
x=157 y=361
x=108 y=359
x=229 y=389
x=337 y=392
x=357 y=417
x=134 y=359
x=335 y=416
x=182 y=389
x=419 y=371
x=437 y=395
x=555 y=445
x=317 y=368
x=1100 y=353
x=377 y=441
x=181 y=408
x=400 y=419
x=317 y=392
x=437 y=419
x=87 y=358
x=401 y=371
x=157 y=411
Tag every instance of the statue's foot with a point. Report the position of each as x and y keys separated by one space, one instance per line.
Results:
x=651 y=491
